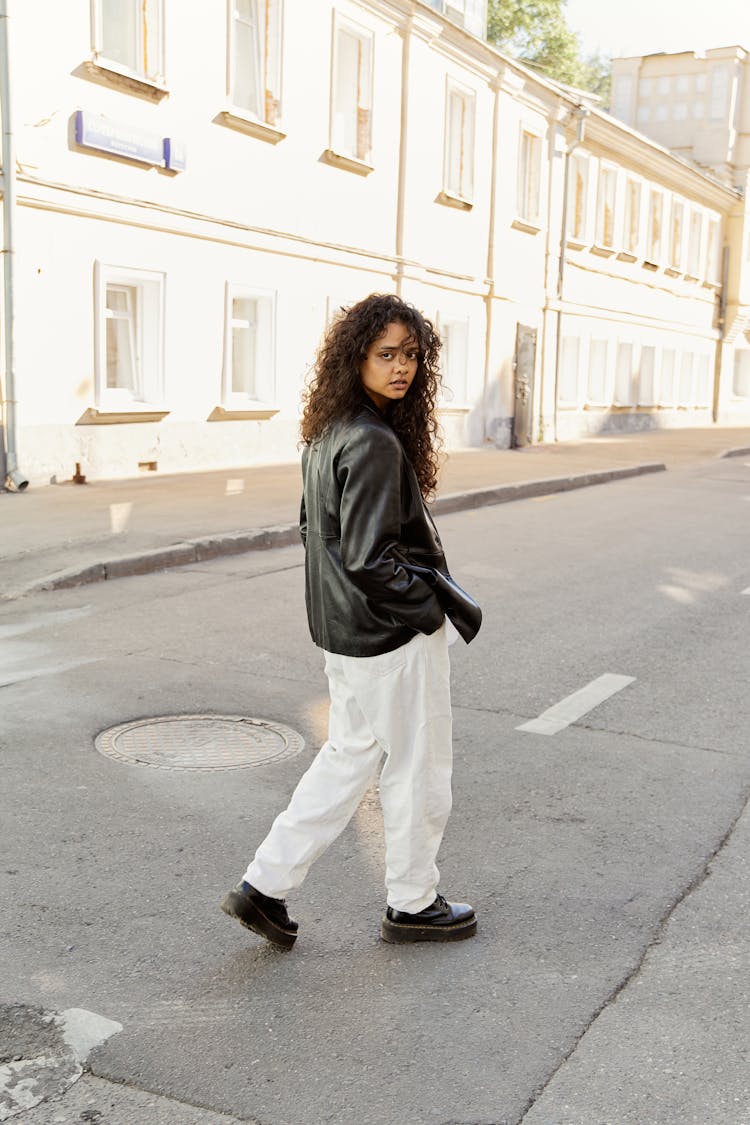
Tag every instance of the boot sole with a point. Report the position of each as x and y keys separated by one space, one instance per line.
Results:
x=398 y=933
x=256 y=921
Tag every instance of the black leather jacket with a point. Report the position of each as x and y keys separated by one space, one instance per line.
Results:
x=375 y=572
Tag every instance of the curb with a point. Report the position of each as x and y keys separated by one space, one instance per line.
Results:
x=741 y=452
x=286 y=535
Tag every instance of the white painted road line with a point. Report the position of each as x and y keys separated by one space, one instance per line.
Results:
x=568 y=710
x=747 y=591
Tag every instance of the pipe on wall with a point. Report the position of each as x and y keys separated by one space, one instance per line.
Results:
x=12 y=475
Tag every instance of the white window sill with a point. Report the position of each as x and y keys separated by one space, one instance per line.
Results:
x=448 y=199
x=238 y=412
x=115 y=74
x=529 y=225
x=109 y=416
x=244 y=122
x=349 y=163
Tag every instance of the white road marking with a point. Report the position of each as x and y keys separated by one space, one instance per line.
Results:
x=84 y=1030
x=234 y=487
x=51 y=617
x=568 y=710
x=9 y=677
x=119 y=517
x=747 y=591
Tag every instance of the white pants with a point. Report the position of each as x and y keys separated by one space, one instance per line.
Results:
x=397 y=704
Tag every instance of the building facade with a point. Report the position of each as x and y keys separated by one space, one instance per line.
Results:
x=199 y=188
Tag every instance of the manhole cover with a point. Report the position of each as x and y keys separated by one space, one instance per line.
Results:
x=199 y=742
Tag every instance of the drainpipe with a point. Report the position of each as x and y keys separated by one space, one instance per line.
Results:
x=722 y=326
x=489 y=299
x=8 y=450
x=581 y=113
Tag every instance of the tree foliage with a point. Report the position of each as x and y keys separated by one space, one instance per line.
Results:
x=537 y=33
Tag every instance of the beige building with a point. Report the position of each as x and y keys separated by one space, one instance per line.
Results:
x=696 y=105
x=190 y=193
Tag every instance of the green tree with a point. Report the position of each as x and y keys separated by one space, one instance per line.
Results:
x=537 y=33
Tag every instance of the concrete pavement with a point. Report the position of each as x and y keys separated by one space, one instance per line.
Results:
x=67 y=534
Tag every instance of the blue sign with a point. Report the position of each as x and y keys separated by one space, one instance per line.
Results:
x=128 y=142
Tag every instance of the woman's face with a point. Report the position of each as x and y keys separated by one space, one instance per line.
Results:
x=389 y=368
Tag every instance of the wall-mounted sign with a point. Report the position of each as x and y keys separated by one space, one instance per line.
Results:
x=128 y=142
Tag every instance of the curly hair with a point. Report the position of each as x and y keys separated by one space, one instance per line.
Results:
x=335 y=391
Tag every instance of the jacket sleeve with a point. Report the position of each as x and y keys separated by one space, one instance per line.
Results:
x=369 y=475
x=302 y=510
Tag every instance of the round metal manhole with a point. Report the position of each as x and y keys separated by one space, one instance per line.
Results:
x=199 y=742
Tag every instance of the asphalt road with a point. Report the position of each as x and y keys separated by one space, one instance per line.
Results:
x=608 y=862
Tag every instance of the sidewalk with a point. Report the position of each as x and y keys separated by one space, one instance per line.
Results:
x=70 y=534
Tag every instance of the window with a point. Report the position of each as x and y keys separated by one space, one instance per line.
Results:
x=676 y=234
x=529 y=175
x=682 y=83
x=130 y=33
x=680 y=111
x=597 y=390
x=647 y=377
x=249 y=367
x=605 y=207
x=661 y=112
x=741 y=381
x=703 y=387
x=454 y=358
x=471 y=14
x=712 y=251
x=645 y=87
x=644 y=114
x=719 y=92
x=694 y=244
x=632 y=232
x=129 y=331
x=662 y=85
x=686 y=380
x=699 y=110
x=255 y=58
x=351 y=96
x=655 y=217
x=577 y=197
x=700 y=83
x=458 y=170
x=568 y=387
x=624 y=375
x=667 y=386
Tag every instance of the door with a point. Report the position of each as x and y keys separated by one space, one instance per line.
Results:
x=523 y=385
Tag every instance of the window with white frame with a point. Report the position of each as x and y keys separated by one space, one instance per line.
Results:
x=645 y=87
x=597 y=383
x=568 y=390
x=632 y=224
x=655 y=222
x=662 y=85
x=647 y=376
x=644 y=114
x=685 y=390
x=662 y=112
x=624 y=374
x=700 y=83
x=605 y=206
x=695 y=237
x=351 y=94
x=713 y=251
x=130 y=34
x=741 y=380
x=703 y=387
x=255 y=58
x=529 y=176
x=249 y=361
x=454 y=357
x=129 y=320
x=668 y=390
x=682 y=83
x=577 y=197
x=699 y=110
x=676 y=234
x=680 y=111
x=458 y=166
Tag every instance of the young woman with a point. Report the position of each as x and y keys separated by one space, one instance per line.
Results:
x=378 y=593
